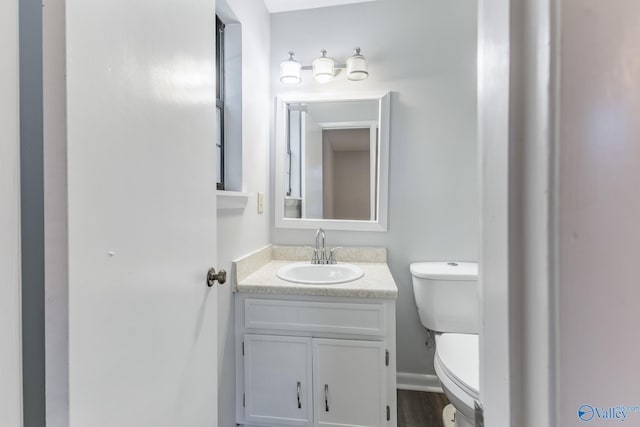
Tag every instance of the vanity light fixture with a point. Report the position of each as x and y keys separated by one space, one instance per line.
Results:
x=324 y=68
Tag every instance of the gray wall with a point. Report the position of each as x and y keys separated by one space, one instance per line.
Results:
x=424 y=51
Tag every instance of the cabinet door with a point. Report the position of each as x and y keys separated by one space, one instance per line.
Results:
x=277 y=380
x=349 y=383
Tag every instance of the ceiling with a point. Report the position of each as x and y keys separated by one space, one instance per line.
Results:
x=275 y=6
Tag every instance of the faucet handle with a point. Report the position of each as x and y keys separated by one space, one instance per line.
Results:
x=332 y=255
x=314 y=258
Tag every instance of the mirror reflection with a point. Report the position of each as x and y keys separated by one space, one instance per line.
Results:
x=331 y=160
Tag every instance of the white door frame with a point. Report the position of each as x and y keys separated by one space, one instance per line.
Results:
x=516 y=56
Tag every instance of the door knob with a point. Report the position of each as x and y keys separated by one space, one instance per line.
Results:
x=212 y=276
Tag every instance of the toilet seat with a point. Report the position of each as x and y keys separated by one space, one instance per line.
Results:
x=457 y=365
x=459 y=358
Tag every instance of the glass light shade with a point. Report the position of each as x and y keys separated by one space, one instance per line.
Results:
x=323 y=68
x=290 y=71
x=357 y=66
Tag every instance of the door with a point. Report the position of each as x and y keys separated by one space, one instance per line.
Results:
x=277 y=376
x=349 y=383
x=141 y=213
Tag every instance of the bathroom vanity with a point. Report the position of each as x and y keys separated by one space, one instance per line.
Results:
x=315 y=354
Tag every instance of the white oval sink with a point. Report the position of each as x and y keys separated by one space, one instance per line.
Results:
x=320 y=274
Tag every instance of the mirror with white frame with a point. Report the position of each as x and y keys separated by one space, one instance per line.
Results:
x=332 y=162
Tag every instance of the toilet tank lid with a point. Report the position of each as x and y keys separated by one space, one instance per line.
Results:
x=445 y=270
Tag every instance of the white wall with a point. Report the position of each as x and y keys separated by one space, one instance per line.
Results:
x=243 y=231
x=598 y=207
x=10 y=354
x=425 y=53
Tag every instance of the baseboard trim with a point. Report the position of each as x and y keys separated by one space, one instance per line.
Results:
x=418 y=382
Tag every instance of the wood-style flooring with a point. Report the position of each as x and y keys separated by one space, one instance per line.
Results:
x=420 y=409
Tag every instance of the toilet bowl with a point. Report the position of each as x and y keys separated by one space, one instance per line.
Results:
x=457 y=367
x=447 y=300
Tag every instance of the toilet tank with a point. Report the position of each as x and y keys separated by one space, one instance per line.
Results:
x=447 y=295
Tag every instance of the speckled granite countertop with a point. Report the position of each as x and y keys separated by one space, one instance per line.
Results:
x=256 y=273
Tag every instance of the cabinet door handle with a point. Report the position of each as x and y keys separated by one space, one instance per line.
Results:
x=326 y=397
x=299 y=404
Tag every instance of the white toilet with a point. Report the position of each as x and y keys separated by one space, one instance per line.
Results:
x=447 y=299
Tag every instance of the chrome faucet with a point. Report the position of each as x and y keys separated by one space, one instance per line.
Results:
x=319 y=254
x=320 y=250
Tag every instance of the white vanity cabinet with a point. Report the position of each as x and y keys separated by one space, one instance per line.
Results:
x=315 y=361
x=349 y=383
x=277 y=380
